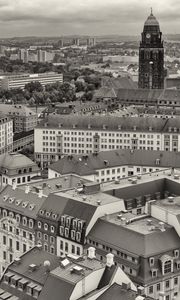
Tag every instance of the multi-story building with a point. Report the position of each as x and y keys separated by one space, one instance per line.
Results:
x=24 y=119
x=114 y=165
x=40 y=275
x=6 y=134
x=22 y=139
x=65 y=218
x=61 y=135
x=19 y=81
x=151 y=56
x=18 y=212
x=146 y=249
x=17 y=168
x=24 y=55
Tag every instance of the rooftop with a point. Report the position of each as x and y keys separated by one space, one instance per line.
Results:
x=138 y=237
x=14 y=110
x=27 y=204
x=88 y=164
x=104 y=123
x=151 y=21
x=15 y=161
x=55 y=184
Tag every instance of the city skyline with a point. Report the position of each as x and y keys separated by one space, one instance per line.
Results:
x=60 y=17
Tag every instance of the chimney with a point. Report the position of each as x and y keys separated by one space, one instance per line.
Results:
x=40 y=194
x=109 y=260
x=27 y=189
x=47 y=265
x=123 y=220
x=14 y=185
x=162 y=226
x=91 y=253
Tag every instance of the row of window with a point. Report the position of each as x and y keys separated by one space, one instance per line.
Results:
x=25 y=221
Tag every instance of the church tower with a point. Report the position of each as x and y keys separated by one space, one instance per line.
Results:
x=151 y=56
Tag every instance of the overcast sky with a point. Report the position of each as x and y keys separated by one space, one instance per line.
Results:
x=92 y=17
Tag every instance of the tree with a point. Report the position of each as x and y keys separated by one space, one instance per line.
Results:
x=34 y=86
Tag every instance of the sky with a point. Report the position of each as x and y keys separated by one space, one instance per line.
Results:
x=85 y=17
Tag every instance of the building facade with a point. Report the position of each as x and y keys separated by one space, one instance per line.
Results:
x=151 y=56
x=19 y=81
x=6 y=134
x=61 y=135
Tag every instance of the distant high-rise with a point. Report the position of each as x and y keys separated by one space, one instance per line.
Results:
x=151 y=56
x=24 y=55
x=41 y=55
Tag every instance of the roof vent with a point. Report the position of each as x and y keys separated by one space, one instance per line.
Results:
x=32 y=267
x=17 y=260
x=170 y=199
x=117 y=181
x=31 y=206
x=47 y=265
x=162 y=226
x=123 y=220
x=24 y=204
x=5 y=198
x=105 y=162
x=11 y=200
x=77 y=270
x=84 y=198
x=18 y=202
x=119 y=216
x=98 y=202
x=149 y=222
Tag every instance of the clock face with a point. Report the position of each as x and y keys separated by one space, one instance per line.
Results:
x=148 y=35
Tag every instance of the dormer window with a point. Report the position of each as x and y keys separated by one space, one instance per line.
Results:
x=47 y=214
x=31 y=223
x=78 y=236
x=11 y=214
x=150 y=128
x=134 y=128
x=24 y=221
x=73 y=234
x=52 y=229
x=74 y=223
x=61 y=230
x=41 y=212
x=167 y=264
x=46 y=226
x=4 y=213
x=39 y=224
x=169 y=129
x=178 y=265
x=18 y=218
x=176 y=253
x=151 y=261
x=63 y=220
x=66 y=232
x=154 y=272
x=54 y=216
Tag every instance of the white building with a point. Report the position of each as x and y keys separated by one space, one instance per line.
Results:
x=19 y=81
x=64 y=135
x=6 y=134
x=114 y=164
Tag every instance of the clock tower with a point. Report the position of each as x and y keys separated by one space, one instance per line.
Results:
x=151 y=56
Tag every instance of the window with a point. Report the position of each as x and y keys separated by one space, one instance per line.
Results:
x=39 y=224
x=158 y=286
x=167 y=266
x=78 y=251
x=73 y=249
x=4 y=240
x=52 y=251
x=45 y=247
x=151 y=289
x=52 y=239
x=30 y=223
x=18 y=218
x=4 y=255
x=24 y=234
x=167 y=284
x=61 y=245
x=66 y=246
x=46 y=237
x=24 y=247
x=52 y=229
x=176 y=253
x=24 y=221
x=175 y=280
x=39 y=235
x=151 y=261
x=46 y=226
x=17 y=245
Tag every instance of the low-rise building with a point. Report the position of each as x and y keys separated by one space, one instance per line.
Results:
x=114 y=164
x=19 y=81
x=61 y=135
x=40 y=275
x=6 y=134
x=23 y=139
x=24 y=119
x=17 y=168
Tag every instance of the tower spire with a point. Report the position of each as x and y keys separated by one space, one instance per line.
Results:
x=151 y=11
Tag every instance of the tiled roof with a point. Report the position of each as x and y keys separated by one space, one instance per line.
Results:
x=88 y=164
x=16 y=110
x=117 y=292
x=105 y=123
x=123 y=237
x=119 y=83
x=20 y=202
x=15 y=160
x=65 y=206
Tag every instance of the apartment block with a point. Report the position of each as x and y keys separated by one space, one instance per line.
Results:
x=61 y=135
x=24 y=119
x=6 y=134
x=19 y=81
